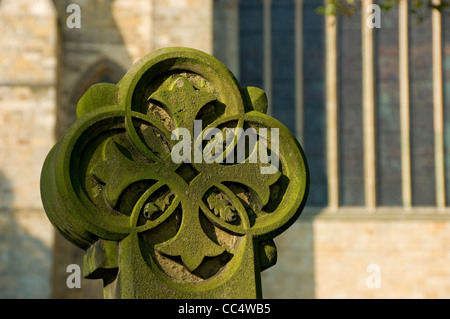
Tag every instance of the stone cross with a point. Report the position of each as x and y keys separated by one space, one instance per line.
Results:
x=175 y=181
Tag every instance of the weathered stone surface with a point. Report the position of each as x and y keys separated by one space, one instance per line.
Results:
x=156 y=227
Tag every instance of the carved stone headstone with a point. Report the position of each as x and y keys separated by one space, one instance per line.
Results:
x=174 y=181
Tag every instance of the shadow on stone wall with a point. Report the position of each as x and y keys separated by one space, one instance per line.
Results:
x=86 y=58
x=25 y=259
x=86 y=54
x=293 y=275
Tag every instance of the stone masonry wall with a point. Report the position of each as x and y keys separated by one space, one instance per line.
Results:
x=28 y=63
x=185 y=23
x=326 y=254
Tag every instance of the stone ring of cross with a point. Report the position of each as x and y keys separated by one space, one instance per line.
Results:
x=182 y=169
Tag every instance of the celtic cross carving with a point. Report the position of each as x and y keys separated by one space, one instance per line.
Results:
x=174 y=181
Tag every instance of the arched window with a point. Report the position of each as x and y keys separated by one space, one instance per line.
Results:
x=104 y=71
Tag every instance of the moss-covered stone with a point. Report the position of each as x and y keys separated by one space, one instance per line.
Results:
x=153 y=227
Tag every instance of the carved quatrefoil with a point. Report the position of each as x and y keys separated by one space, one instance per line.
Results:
x=112 y=177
